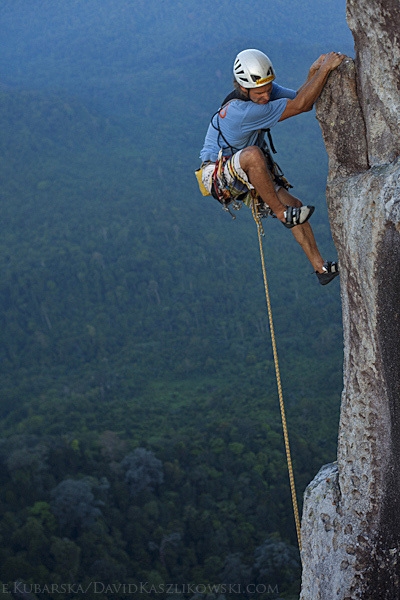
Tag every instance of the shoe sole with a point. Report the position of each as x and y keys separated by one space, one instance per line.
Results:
x=325 y=278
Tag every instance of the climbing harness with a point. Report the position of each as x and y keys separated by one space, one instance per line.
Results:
x=276 y=171
x=260 y=231
x=220 y=189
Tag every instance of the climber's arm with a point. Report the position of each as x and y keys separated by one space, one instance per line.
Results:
x=312 y=88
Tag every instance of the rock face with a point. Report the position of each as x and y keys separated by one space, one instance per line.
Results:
x=351 y=515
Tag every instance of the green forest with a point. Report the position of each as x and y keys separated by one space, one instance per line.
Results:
x=141 y=446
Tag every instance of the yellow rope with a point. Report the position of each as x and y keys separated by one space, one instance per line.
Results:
x=260 y=232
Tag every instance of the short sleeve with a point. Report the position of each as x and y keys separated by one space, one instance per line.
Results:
x=281 y=92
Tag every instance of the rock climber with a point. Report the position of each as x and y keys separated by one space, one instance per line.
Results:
x=235 y=157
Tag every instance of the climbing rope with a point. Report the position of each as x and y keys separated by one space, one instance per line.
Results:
x=260 y=233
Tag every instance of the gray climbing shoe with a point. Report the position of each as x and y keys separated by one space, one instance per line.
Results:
x=331 y=270
x=295 y=215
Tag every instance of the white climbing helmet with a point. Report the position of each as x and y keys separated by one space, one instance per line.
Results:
x=253 y=68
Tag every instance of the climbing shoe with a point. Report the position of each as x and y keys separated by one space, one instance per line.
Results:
x=296 y=215
x=331 y=270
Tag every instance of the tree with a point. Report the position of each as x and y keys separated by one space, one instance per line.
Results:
x=66 y=555
x=235 y=571
x=74 y=504
x=276 y=562
x=143 y=471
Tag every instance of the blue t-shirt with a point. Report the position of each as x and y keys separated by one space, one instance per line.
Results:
x=239 y=122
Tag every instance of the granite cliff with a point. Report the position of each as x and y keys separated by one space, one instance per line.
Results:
x=351 y=513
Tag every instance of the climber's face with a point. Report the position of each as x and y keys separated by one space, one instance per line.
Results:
x=259 y=95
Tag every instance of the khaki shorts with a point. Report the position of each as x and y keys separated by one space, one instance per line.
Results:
x=235 y=177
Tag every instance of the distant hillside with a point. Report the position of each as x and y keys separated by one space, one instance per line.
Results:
x=99 y=261
x=110 y=256
x=87 y=46
x=136 y=371
x=132 y=309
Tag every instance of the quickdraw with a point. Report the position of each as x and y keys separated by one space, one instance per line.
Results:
x=219 y=185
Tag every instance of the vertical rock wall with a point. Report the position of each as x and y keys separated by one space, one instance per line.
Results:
x=351 y=515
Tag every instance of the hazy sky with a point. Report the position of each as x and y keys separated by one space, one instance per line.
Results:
x=45 y=42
